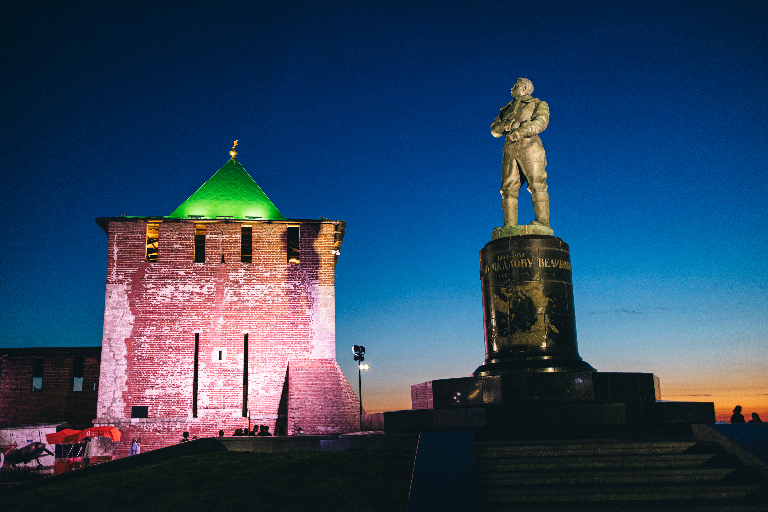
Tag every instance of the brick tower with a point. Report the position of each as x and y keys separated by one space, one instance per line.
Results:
x=221 y=315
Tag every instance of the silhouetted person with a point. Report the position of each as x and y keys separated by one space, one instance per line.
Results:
x=238 y=432
x=86 y=452
x=737 y=416
x=264 y=430
x=755 y=418
x=221 y=433
x=185 y=437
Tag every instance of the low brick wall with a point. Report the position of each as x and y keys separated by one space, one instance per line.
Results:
x=56 y=401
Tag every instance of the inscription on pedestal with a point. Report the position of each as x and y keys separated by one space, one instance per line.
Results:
x=530 y=323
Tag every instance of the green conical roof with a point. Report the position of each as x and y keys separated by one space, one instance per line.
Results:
x=231 y=192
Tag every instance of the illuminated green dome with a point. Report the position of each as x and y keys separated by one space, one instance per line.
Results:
x=231 y=192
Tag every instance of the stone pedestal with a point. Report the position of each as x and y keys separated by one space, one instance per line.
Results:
x=533 y=382
x=541 y=405
x=530 y=321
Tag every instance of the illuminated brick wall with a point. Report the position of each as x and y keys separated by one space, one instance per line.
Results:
x=153 y=310
x=54 y=400
x=421 y=396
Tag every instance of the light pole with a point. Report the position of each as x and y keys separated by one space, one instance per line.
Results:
x=359 y=352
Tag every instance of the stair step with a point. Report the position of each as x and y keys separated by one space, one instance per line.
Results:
x=589 y=493
x=636 y=506
x=486 y=464
x=689 y=475
x=582 y=449
x=584 y=442
x=679 y=476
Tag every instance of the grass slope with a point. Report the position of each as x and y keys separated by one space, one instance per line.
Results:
x=339 y=481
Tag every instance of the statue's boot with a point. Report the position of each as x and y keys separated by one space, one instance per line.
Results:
x=540 y=208
x=509 y=207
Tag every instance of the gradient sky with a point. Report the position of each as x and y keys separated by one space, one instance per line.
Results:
x=378 y=113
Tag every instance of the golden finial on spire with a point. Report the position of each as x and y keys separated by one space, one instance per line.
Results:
x=233 y=153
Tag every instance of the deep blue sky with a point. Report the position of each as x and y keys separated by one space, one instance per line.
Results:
x=378 y=113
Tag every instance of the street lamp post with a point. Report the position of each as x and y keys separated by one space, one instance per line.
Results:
x=360 y=385
x=359 y=352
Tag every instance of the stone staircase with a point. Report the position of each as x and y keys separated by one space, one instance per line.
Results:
x=615 y=475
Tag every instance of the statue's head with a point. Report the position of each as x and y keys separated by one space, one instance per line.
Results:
x=522 y=87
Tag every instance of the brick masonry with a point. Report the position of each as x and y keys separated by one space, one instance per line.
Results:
x=421 y=396
x=56 y=401
x=153 y=311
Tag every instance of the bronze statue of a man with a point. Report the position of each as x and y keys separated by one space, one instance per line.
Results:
x=524 y=160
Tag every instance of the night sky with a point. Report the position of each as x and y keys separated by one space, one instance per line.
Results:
x=378 y=113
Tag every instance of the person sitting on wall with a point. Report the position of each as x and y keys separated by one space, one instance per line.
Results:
x=737 y=416
x=264 y=430
x=238 y=432
x=755 y=418
x=184 y=437
x=221 y=433
x=299 y=431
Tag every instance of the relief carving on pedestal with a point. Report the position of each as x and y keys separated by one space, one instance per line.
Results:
x=519 y=316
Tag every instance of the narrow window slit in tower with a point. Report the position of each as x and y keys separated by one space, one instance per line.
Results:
x=246 y=244
x=153 y=230
x=294 y=254
x=77 y=373
x=37 y=374
x=245 y=375
x=194 y=375
x=199 y=243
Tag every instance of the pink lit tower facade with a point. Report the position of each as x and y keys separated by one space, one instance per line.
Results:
x=220 y=316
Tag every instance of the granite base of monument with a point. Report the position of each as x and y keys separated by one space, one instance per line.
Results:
x=582 y=404
x=533 y=381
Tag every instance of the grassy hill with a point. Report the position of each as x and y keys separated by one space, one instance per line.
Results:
x=222 y=481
